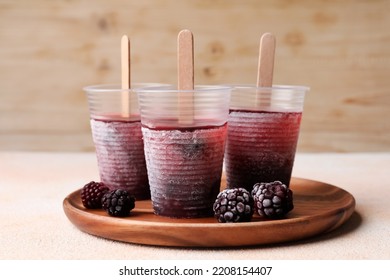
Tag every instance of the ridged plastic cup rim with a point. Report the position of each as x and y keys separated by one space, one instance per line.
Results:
x=198 y=88
x=117 y=87
x=274 y=87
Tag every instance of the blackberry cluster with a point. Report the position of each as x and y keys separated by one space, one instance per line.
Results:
x=92 y=193
x=233 y=206
x=272 y=200
x=118 y=203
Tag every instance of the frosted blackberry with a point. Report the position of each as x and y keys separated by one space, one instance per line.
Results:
x=233 y=206
x=92 y=193
x=272 y=200
x=118 y=203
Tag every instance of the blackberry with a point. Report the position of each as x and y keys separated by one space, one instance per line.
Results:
x=272 y=200
x=233 y=206
x=92 y=193
x=118 y=203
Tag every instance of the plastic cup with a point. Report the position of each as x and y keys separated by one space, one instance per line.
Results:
x=116 y=132
x=184 y=139
x=263 y=132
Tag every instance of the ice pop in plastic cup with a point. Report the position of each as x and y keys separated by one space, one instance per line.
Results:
x=184 y=139
x=263 y=130
x=116 y=132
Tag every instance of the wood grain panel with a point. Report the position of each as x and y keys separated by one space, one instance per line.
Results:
x=50 y=49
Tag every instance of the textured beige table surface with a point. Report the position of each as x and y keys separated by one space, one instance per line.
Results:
x=34 y=226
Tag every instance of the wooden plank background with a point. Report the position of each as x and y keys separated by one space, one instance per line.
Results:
x=50 y=49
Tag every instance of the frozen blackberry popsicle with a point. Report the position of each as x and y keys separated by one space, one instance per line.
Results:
x=116 y=131
x=264 y=123
x=184 y=132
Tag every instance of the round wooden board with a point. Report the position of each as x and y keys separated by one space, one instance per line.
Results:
x=318 y=208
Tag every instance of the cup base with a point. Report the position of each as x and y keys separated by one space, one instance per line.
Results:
x=120 y=156
x=184 y=169
x=182 y=214
x=260 y=147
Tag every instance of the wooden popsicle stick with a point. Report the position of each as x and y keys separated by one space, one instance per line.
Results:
x=185 y=50
x=266 y=60
x=125 y=73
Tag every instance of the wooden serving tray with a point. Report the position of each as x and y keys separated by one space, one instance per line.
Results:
x=318 y=208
